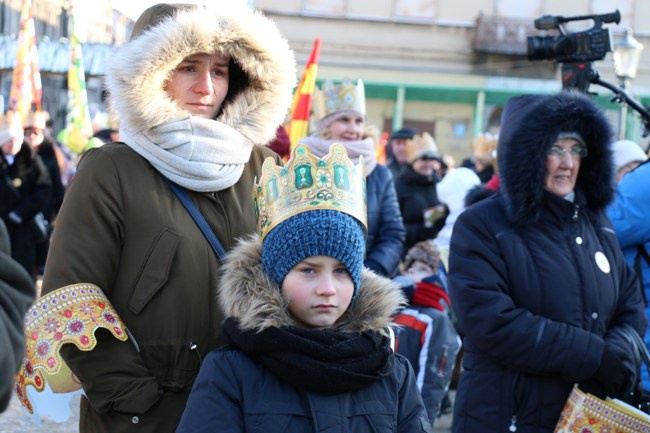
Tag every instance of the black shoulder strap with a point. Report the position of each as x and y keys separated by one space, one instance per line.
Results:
x=198 y=218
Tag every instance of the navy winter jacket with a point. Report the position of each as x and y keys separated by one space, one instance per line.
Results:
x=386 y=231
x=254 y=400
x=538 y=282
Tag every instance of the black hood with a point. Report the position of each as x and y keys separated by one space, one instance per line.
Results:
x=530 y=125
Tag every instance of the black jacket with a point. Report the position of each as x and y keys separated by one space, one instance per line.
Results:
x=16 y=295
x=538 y=283
x=416 y=193
x=25 y=188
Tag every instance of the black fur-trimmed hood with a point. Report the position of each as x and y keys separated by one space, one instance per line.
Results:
x=247 y=294
x=529 y=127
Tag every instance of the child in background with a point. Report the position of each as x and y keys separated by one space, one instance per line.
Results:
x=427 y=337
x=307 y=327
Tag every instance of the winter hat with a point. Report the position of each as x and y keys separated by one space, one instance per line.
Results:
x=11 y=127
x=426 y=252
x=315 y=233
x=312 y=206
x=572 y=134
x=404 y=133
x=421 y=146
x=627 y=151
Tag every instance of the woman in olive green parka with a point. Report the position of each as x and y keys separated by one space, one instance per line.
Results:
x=198 y=92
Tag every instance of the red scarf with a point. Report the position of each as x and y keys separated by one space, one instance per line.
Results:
x=430 y=295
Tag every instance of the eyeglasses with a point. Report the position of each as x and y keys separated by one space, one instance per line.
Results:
x=574 y=152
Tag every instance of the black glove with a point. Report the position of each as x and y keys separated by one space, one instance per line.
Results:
x=610 y=378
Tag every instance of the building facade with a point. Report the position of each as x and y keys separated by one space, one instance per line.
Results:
x=447 y=66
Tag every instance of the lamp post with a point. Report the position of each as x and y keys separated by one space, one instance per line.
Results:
x=627 y=53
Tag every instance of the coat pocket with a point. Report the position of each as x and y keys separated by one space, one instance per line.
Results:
x=155 y=271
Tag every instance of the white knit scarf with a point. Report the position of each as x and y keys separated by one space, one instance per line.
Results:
x=366 y=148
x=198 y=154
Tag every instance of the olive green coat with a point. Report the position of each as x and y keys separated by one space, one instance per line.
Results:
x=123 y=229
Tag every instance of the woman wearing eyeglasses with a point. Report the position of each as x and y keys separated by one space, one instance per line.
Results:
x=423 y=213
x=536 y=277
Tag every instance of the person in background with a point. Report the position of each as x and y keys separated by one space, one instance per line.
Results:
x=630 y=216
x=67 y=162
x=25 y=190
x=452 y=190
x=483 y=157
x=423 y=214
x=340 y=114
x=281 y=144
x=107 y=135
x=306 y=325
x=17 y=293
x=427 y=337
x=628 y=155
x=199 y=91
x=35 y=137
x=397 y=149
x=538 y=283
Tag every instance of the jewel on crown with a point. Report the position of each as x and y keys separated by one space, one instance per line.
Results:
x=332 y=98
x=307 y=183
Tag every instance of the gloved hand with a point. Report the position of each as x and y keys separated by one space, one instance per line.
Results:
x=610 y=378
x=13 y=216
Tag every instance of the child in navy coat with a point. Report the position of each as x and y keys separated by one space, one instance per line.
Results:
x=307 y=327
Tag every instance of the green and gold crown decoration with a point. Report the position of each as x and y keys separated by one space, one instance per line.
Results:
x=332 y=98
x=307 y=183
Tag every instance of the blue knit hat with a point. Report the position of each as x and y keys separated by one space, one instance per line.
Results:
x=321 y=232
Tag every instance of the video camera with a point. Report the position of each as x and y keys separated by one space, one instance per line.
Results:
x=585 y=46
x=577 y=51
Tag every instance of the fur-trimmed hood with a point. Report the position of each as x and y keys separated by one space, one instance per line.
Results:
x=529 y=127
x=139 y=70
x=247 y=294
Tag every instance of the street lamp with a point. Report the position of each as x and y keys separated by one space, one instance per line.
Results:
x=627 y=53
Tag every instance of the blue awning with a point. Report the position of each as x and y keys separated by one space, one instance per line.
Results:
x=54 y=56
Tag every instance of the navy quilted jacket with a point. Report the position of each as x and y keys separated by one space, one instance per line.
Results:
x=538 y=283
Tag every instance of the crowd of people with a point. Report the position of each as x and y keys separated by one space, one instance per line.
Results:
x=328 y=291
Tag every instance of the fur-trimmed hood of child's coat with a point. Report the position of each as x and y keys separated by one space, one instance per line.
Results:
x=247 y=294
x=138 y=72
x=530 y=125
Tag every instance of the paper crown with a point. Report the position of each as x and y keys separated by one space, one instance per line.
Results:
x=11 y=127
x=421 y=145
x=307 y=183
x=11 y=121
x=37 y=119
x=333 y=98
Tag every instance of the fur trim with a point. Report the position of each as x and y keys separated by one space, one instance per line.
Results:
x=531 y=130
x=248 y=294
x=138 y=72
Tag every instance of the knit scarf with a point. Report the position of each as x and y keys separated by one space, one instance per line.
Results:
x=366 y=148
x=198 y=154
x=322 y=361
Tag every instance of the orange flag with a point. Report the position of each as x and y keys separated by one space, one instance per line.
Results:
x=380 y=150
x=26 y=86
x=298 y=126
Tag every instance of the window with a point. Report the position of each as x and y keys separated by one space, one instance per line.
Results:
x=415 y=9
x=518 y=9
x=329 y=7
